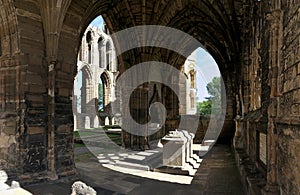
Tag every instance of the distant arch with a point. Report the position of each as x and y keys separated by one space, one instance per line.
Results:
x=89 y=37
x=100 y=50
x=106 y=89
x=89 y=44
x=86 y=88
x=108 y=55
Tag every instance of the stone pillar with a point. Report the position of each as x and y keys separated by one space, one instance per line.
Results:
x=275 y=53
x=51 y=118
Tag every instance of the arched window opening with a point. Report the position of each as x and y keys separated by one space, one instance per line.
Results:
x=108 y=55
x=193 y=78
x=89 y=37
x=100 y=96
x=89 y=42
x=100 y=45
x=89 y=54
x=105 y=92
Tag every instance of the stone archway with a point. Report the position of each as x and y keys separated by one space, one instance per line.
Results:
x=64 y=23
x=39 y=47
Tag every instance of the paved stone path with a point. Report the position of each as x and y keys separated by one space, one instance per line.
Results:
x=217 y=174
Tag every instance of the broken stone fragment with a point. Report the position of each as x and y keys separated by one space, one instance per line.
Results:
x=3 y=176
x=3 y=179
x=80 y=188
x=15 y=184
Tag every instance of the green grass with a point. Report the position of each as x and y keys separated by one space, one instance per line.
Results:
x=114 y=136
x=77 y=145
x=76 y=134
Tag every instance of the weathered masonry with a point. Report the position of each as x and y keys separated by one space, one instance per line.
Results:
x=256 y=44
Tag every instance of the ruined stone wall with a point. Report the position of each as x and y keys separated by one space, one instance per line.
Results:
x=23 y=84
x=8 y=97
x=271 y=62
x=24 y=88
x=288 y=123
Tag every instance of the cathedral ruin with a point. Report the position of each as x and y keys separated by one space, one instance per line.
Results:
x=43 y=45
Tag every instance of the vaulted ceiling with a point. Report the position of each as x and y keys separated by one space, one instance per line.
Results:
x=217 y=24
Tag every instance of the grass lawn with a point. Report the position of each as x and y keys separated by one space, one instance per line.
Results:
x=114 y=136
x=76 y=145
x=76 y=134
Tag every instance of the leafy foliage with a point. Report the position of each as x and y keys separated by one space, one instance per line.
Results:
x=100 y=97
x=213 y=103
x=204 y=107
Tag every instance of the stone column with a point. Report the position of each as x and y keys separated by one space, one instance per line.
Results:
x=275 y=19
x=51 y=118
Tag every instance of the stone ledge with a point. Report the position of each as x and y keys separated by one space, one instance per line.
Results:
x=288 y=121
x=6 y=115
x=253 y=180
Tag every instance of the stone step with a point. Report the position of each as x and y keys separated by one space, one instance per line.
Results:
x=197 y=158
x=190 y=168
x=194 y=163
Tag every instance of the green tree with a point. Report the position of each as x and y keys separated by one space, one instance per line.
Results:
x=204 y=107
x=214 y=90
x=100 y=97
x=213 y=102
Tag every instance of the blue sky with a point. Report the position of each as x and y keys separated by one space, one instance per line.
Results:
x=97 y=21
x=206 y=67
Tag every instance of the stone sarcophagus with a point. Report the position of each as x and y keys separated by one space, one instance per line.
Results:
x=178 y=151
x=174 y=149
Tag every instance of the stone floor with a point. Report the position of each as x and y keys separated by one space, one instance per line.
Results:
x=217 y=174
